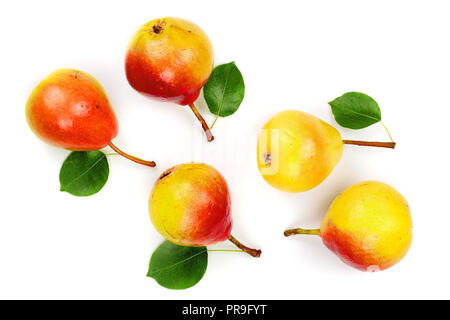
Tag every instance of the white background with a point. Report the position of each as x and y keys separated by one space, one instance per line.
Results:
x=293 y=55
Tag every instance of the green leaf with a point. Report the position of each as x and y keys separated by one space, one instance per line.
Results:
x=224 y=90
x=177 y=267
x=84 y=173
x=355 y=110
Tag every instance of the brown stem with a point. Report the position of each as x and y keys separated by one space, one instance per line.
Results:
x=253 y=252
x=370 y=144
x=132 y=158
x=291 y=232
x=205 y=127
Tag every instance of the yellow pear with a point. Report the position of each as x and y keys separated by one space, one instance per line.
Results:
x=297 y=151
x=368 y=226
x=190 y=205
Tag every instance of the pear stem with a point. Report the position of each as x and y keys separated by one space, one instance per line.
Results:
x=205 y=127
x=253 y=252
x=291 y=232
x=371 y=144
x=132 y=158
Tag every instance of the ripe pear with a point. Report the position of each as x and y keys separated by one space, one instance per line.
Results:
x=70 y=109
x=170 y=59
x=190 y=205
x=368 y=226
x=297 y=151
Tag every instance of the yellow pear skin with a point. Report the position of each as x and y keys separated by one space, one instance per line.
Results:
x=368 y=226
x=297 y=151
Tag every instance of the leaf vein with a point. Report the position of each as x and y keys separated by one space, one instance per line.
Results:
x=361 y=114
x=85 y=172
x=224 y=90
x=154 y=273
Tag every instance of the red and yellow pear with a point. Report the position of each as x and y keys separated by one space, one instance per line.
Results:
x=368 y=226
x=70 y=109
x=190 y=205
x=297 y=151
x=170 y=59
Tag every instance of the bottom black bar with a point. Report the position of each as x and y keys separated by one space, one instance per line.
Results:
x=197 y=309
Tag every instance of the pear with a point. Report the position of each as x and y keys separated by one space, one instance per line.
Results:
x=171 y=59
x=70 y=109
x=297 y=151
x=368 y=226
x=190 y=205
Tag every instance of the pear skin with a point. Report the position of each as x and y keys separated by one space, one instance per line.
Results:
x=70 y=109
x=169 y=59
x=297 y=151
x=190 y=205
x=368 y=226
